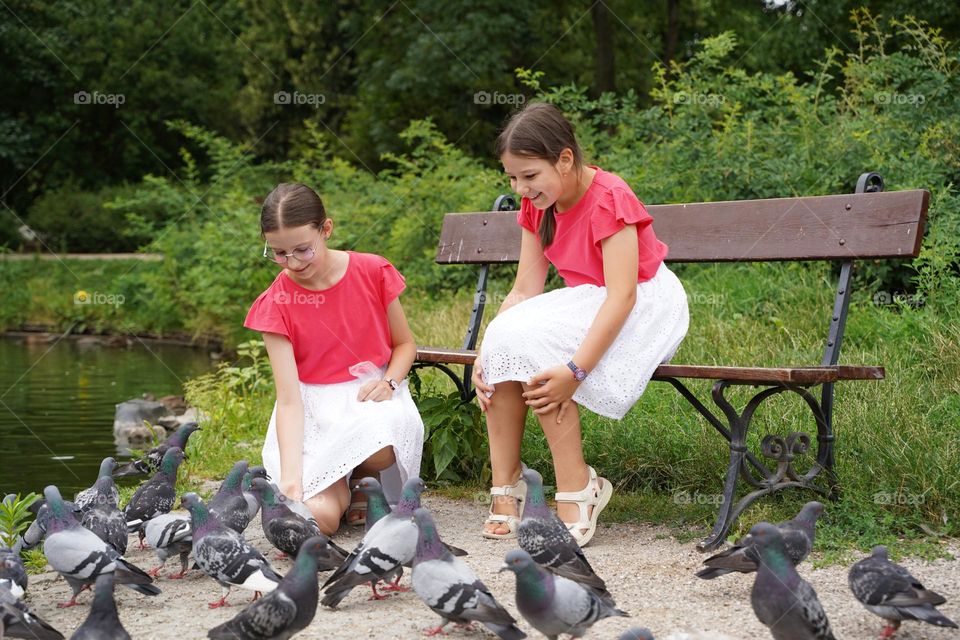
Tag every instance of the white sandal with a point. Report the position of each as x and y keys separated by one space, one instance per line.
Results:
x=593 y=495
x=517 y=491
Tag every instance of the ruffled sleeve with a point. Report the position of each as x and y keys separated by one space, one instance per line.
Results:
x=618 y=208
x=392 y=283
x=265 y=314
x=529 y=216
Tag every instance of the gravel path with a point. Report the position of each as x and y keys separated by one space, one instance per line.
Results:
x=649 y=573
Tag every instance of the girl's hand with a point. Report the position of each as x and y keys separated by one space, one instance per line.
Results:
x=376 y=390
x=484 y=391
x=293 y=489
x=552 y=389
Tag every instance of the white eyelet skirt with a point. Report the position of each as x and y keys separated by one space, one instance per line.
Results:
x=546 y=330
x=339 y=433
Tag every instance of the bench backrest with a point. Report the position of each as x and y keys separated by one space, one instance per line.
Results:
x=838 y=227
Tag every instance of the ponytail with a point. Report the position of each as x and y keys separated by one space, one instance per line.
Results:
x=548 y=225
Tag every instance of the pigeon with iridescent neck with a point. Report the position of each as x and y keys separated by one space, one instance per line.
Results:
x=157 y=495
x=781 y=599
x=85 y=499
x=377 y=505
x=102 y=623
x=450 y=588
x=888 y=590
x=286 y=610
x=229 y=504
x=546 y=538
x=81 y=557
x=104 y=518
x=554 y=605
x=151 y=462
x=224 y=555
x=287 y=531
x=798 y=536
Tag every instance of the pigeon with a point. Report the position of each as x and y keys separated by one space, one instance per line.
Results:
x=288 y=531
x=450 y=588
x=296 y=506
x=34 y=534
x=781 y=599
x=546 y=538
x=385 y=549
x=104 y=518
x=85 y=499
x=102 y=622
x=224 y=555
x=889 y=591
x=229 y=504
x=80 y=556
x=286 y=610
x=169 y=534
x=12 y=572
x=377 y=505
x=253 y=505
x=554 y=605
x=636 y=633
x=157 y=495
x=798 y=535
x=153 y=459
x=17 y=621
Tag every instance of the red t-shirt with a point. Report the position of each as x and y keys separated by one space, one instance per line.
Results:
x=607 y=207
x=333 y=329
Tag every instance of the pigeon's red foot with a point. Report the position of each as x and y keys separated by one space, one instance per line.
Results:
x=888 y=632
x=281 y=555
x=222 y=602
x=155 y=572
x=177 y=576
x=72 y=602
x=376 y=596
x=393 y=586
x=434 y=631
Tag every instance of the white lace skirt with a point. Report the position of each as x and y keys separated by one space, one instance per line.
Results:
x=546 y=330
x=339 y=433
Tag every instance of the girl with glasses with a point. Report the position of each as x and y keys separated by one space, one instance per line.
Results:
x=340 y=348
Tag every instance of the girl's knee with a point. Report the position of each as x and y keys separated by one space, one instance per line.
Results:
x=381 y=460
x=326 y=511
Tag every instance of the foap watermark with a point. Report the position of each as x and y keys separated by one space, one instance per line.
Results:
x=98 y=98
x=685 y=497
x=704 y=99
x=900 y=498
x=297 y=98
x=485 y=98
x=885 y=298
x=299 y=297
x=98 y=297
x=892 y=97
x=706 y=299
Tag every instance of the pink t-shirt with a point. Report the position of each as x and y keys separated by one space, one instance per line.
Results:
x=335 y=328
x=607 y=207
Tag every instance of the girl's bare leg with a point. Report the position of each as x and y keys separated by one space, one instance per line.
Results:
x=328 y=505
x=382 y=459
x=505 y=417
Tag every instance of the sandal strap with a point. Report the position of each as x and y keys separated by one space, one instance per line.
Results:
x=502 y=517
x=587 y=497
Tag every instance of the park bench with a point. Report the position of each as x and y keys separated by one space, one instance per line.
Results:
x=869 y=224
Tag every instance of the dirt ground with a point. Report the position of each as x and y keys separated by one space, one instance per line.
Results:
x=648 y=572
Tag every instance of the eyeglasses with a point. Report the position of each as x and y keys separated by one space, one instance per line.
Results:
x=302 y=255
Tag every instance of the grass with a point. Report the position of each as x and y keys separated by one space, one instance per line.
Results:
x=896 y=451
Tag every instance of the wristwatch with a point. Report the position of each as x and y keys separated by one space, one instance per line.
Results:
x=578 y=373
x=393 y=383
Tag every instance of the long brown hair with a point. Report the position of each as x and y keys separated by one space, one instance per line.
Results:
x=291 y=205
x=540 y=131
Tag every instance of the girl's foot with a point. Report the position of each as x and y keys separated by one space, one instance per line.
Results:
x=357 y=511
x=506 y=507
x=580 y=510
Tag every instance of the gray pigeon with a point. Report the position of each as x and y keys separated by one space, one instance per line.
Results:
x=554 y=605
x=384 y=550
x=296 y=506
x=225 y=556
x=151 y=462
x=286 y=610
x=377 y=505
x=85 y=499
x=450 y=588
x=12 y=572
x=253 y=505
x=157 y=495
x=169 y=534
x=34 y=534
x=798 y=535
x=889 y=591
x=546 y=538
x=288 y=531
x=80 y=556
x=104 y=518
x=781 y=599
x=17 y=621
x=636 y=633
x=230 y=504
x=102 y=622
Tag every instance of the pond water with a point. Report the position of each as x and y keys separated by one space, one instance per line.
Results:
x=57 y=403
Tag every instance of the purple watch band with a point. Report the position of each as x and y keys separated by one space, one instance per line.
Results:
x=578 y=373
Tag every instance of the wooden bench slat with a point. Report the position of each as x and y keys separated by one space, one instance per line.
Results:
x=794 y=375
x=837 y=227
